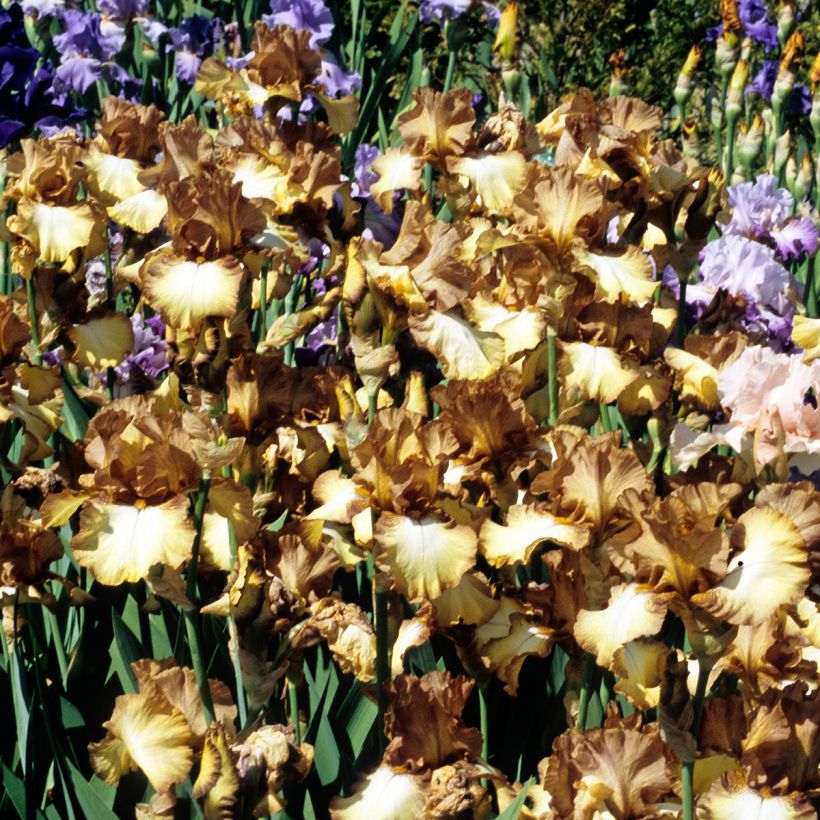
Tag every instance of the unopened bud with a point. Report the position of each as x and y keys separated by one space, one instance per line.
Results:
x=791 y=173
x=769 y=129
x=617 y=64
x=814 y=74
x=685 y=84
x=691 y=138
x=727 y=51
x=750 y=141
x=783 y=87
x=805 y=178
x=793 y=51
x=782 y=151
x=746 y=49
x=786 y=21
x=738 y=175
x=737 y=87
x=506 y=38
x=814 y=116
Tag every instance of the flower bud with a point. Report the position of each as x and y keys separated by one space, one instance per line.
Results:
x=506 y=38
x=738 y=175
x=685 y=84
x=783 y=87
x=737 y=87
x=768 y=123
x=805 y=178
x=786 y=21
x=617 y=82
x=793 y=51
x=782 y=150
x=814 y=74
x=726 y=53
x=791 y=172
x=746 y=49
x=750 y=141
x=691 y=138
x=715 y=111
x=814 y=116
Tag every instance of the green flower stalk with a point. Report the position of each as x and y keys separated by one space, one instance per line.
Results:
x=192 y=626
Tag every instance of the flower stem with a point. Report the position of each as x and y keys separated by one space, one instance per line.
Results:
x=681 y=327
x=586 y=691
x=382 y=649
x=233 y=632
x=32 y=319
x=262 y=329
x=731 y=125
x=293 y=699
x=812 y=284
x=451 y=67
x=688 y=766
x=192 y=615
x=552 y=378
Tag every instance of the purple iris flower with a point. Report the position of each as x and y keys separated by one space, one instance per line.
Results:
x=363 y=176
x=302 y=15
x=194 y=40
x=755 y=21
x=800 y=100
x=763 y=82
x=27 y=94
x=86 y=51
x=148 y=354
x=381 y=226
x=762 y=211
x=83 y=35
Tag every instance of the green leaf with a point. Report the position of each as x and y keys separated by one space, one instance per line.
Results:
x=75 y=417
x=514 y=809
x=124 y=651
x=357 y=715
x=91 y=798
x=14 y=790
x=70 y=716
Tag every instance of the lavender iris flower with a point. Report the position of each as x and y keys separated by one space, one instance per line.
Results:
x=194 y=40
x=363 y=176
x=302 y=15
x=43 y=8
x=86 y=52
x=762 y=211
x=148 y=354
x=335 y=79
x=744 y=267
x=122 y=9
x=747 y=271
x=440 y=11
